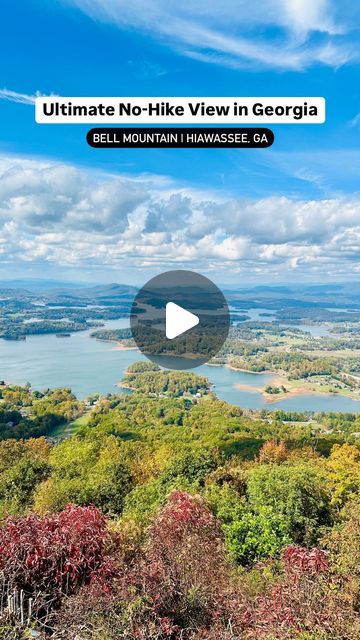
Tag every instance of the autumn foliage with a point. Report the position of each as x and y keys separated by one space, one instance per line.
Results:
x=54 y=555
x=181 y=585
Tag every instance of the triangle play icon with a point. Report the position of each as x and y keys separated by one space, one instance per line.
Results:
x=178 y=320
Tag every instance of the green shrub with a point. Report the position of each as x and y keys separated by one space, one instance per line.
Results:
x=297 y=493
x=255 y=536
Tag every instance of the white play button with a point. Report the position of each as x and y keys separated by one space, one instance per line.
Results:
x=178 y=320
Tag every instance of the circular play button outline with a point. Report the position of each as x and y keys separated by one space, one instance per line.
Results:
x=179 y=319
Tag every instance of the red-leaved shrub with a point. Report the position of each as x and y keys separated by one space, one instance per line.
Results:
x=299 y=561
x=184 y=577
x=54 y=555
x=178 y=587
x=308 y=599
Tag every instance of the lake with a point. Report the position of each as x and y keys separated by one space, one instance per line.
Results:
x=89 y=366
x=257 y=315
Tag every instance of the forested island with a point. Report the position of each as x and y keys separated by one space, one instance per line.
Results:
x=170 y=514
x=148 y=378
x=32 y=312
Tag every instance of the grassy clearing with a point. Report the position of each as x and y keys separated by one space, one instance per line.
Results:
x=68 y=429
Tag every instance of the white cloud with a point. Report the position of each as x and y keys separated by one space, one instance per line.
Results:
x=283 y=34
x=61 y=215
x=355 y=121
x=14 y=96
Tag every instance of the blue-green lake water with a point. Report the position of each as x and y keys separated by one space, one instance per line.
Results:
x=88 y=366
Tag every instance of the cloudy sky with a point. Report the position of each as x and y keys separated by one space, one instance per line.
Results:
x=288 y=213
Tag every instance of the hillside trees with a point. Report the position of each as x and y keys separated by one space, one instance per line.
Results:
x=295 y=491
x=23 y=465
x=85 y=471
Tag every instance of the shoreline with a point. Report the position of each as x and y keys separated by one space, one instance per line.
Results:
x=277 y=379
x=123 y=347
x=255 y=373
x=123 y=385
x=294 y=393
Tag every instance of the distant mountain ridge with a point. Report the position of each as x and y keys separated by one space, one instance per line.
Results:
x=53 y=289
x=39 y=284
x=54 y=292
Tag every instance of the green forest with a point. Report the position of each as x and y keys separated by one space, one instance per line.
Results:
x=171 y=515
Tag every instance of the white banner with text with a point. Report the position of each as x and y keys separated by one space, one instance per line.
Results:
x=231 y=111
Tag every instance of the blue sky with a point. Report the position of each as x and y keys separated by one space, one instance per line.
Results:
x=279 y=213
